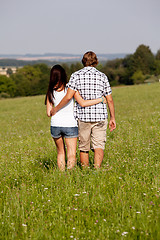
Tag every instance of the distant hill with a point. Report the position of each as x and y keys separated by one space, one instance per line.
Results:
x=49 y=58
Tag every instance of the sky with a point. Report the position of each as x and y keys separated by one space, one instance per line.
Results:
x=77 y=26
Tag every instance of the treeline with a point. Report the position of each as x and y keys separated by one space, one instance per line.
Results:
x=20 y=63
x=140 y=67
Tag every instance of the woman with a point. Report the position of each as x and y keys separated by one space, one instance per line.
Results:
x=63 y=123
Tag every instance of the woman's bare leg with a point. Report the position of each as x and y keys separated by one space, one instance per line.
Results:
x=71 y=144
x=60 y=153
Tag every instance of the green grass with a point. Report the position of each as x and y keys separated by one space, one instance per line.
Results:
x=119 y=201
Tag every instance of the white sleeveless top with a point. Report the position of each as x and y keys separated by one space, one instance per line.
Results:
x=64 y=117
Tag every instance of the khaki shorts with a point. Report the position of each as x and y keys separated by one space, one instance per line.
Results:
x=92 y=135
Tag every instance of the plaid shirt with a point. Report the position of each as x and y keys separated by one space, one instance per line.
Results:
x=91 y=84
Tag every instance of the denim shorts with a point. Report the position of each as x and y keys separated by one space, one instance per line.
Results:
x=67 y=132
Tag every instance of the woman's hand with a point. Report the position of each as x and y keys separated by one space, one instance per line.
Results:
x=104 y=99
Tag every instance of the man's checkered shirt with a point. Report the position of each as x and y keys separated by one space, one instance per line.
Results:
x=91 y=84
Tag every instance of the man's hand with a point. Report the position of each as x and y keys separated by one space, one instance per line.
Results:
x=53 y=111
x=112 y=124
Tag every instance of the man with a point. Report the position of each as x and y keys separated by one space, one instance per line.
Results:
x=92 y=120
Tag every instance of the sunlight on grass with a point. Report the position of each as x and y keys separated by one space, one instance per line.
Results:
x=121 y=200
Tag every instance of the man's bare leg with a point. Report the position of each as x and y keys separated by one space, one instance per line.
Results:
x=98 y=157
x=84 y=158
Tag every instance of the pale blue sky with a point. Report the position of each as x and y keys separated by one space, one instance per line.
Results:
x=76 y=26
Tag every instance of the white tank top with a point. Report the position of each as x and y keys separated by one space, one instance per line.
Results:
x=64 y=117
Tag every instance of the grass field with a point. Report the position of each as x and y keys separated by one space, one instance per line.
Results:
x=119 y=201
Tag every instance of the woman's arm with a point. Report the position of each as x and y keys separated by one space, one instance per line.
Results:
x=86 y=103
x=49 y=108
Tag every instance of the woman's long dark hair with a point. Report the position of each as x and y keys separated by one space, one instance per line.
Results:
x=58 y=79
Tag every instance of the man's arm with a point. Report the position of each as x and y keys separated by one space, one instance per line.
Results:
x=49 y=107
x=112 y=122
x=69 y=95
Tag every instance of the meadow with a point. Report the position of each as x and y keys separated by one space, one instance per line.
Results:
x=119 y=201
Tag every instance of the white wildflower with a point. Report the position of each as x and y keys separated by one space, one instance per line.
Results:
x=24 y=225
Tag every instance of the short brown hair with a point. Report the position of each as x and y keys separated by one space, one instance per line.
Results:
x=89 y=59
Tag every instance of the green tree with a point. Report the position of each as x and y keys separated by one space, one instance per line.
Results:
x=9 y=71
x=128 y=71
x=42 y=85
x=75 y=67
x=26 y=80
x=31 y=80
x=115 y=63
x=143 y=60
x=7 y=85
x=115 y=71
x=157 y=67
x=158 y=55
x=138 y=77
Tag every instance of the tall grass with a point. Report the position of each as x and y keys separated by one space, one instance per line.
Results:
x=119 y=201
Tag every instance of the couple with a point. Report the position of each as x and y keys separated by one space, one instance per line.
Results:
x=91 y=90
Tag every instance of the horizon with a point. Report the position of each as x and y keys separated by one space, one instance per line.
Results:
x=58 y=53
x=58 y=57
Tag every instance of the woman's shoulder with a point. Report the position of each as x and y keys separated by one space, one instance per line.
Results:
x=60 y=92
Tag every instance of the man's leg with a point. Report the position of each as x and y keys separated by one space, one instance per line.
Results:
x=84 y=130
x=98 y=157
x=84 y=158
x=98 y=139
